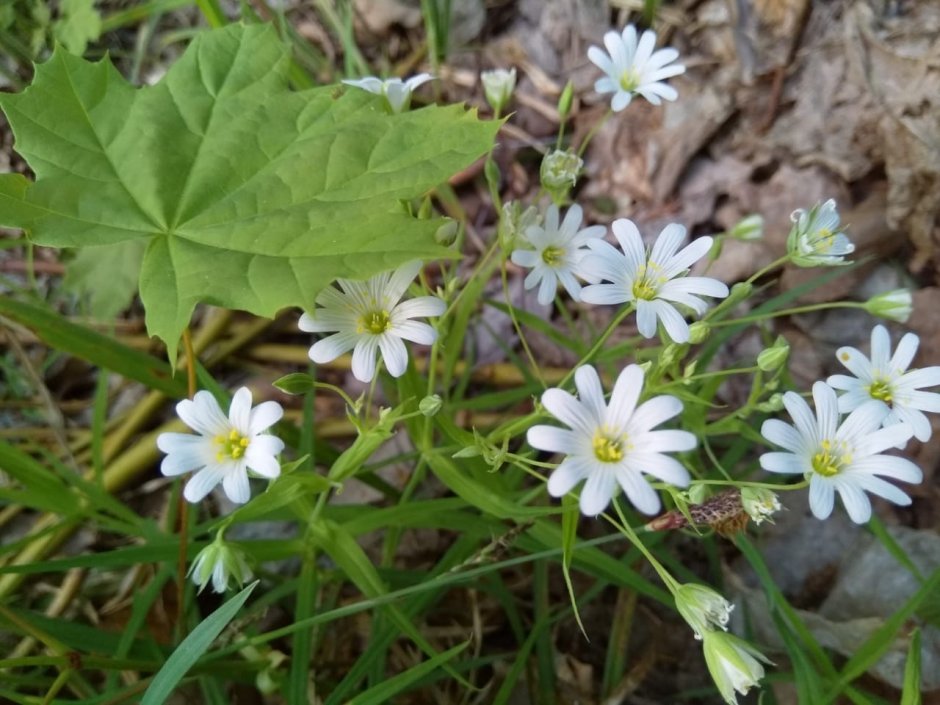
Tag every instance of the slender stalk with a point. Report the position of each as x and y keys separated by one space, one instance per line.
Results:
x=182 y=507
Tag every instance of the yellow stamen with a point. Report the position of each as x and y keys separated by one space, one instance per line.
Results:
x=552 y=255
x=231 y=447
x=375 y=322
x=831 y=458
x=649 y=277
x=609 y=447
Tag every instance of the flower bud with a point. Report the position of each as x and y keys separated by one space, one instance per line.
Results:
x=733 y=664
x=446 y=234
x=749 y=228
x=894 y=305
x=774 y=357
x=559 y=172
x=816 y=240
x=739 y=292
x=219 y=562
x=514 y=222
x=703 y=608
x=498 y=86
x=759 y=503
x=699 y=332
x=430 y=405
x=774 y=404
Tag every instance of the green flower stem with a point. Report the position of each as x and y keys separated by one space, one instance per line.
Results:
x=769 y=268
x=802 y=485
x=590 y=135
x=788 y=312
x=624 y=527
x=518 y=328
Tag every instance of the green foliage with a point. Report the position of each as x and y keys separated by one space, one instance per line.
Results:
x=244 y=194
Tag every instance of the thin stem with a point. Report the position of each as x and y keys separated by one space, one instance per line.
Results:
x=518 y=328
x=624 y=527
x=590 y=135
x=182 y=506
x=788 y=312
x=599 y=343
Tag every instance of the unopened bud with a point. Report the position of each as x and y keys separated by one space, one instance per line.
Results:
x=430 y=405
x=699 y=332
x=894 y=305
x=498 y=86
x=775 y=403
x=774 y=357
x=559 y=171
x=564 y=101
x=750 y=228
x=219 y=562
x=446 y=234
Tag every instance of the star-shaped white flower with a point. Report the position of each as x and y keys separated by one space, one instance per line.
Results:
x=370 y=317
x=653 y=282
x=839 y=457
x=558 y=252
x=226 y=447
x=886 y=380
x=611 y=445
x=397 y=93
x=633 y=67
x=815 y=239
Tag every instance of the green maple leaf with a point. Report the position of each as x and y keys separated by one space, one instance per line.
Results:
x=246 y=194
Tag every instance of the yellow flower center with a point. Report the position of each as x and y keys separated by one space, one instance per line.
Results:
x=552 y=255
x=825 y=239
x=879 y=389
x=231 y=447
x=831 y=458
x=609 y=447
x=630 y=80
x=375 y=322
x=649 y=277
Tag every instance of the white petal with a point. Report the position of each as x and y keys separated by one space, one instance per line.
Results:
x=673 y=322
x=620 y=101
x=821 y=497
x=645 y=315
x=655 y=411
x=203 y=481
x=655 y=93
x=700 y=286
x=547 y=287
x=598 y=491
x=925 y=401
x=239 y=412
x=880 y=348
x=631 y=242
x=665 y=247
x=827 y=413
x=783 y=435
x=203 y=414
x=626 y=392
x=419 y=307
x=185 y=452
x=363 y=359
x=418 y=79
x=905 y=352
x=855 y=362
x=397 y=95
x=330 y=348
x=784 y=463
x=525 y=258
x=666 y=441
x=882 y=488
x=369 y=83
x=394 y=353
x=261 y=461
x=552 y=439
x=802 y=417
x=264 y=416
x=597 y=57
x=662 y=467
x=688 y=256
x=861 y=429
x=854 y=499
x=927 y=377
x=638 y=491
x=401 y=279
x=564 y=407
x=236 y=486
x=607 y=295
x=591 y=393
x=416 y=332
x=889 y=466
x=566 y=476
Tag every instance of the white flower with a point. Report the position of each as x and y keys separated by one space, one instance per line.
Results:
x=558 y=252
x=611 y=445
x=633 y=67
x=226 y=448
x=733 y=663
x=559 y=170
x=703 y=608
x=759 y=503
x=895 y=305
x=219 y=562
x=654 y=282
x=885 y=379
x=369 y=317
x=498 y=86
x=815 y=239
x=397 y=93
x=839 y=457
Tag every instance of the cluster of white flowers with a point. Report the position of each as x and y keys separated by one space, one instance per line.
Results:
x=653 y=282
x=885 y=404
